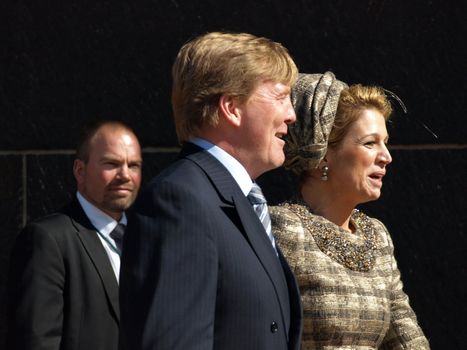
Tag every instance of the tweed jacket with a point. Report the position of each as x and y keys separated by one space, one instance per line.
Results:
x=346 y=306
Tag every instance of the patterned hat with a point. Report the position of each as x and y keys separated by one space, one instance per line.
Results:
x=315 y=98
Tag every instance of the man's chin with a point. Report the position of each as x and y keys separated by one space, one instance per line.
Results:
x=120 y=204
x=280 y=159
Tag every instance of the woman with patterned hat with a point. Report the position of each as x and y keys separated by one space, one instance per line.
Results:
x=343 y=260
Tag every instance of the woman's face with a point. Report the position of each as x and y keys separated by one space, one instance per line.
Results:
x=357 y=166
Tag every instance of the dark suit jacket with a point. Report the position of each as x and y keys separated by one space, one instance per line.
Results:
x=198 y=270
x=63 y=293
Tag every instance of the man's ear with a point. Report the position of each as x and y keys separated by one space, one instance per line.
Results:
x=229 y=109
x=79 y=171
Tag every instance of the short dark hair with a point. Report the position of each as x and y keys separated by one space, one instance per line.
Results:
x=90 y=130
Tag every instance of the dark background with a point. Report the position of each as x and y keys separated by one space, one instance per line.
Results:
x=63 y=63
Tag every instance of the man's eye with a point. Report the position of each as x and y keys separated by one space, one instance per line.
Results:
x=111 y=164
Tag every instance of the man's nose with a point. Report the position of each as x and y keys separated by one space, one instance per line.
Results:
x=124 y=172
x=291 y=116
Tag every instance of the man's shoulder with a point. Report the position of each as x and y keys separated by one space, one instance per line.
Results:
x=56 y=221
x=183 y=171
x=185 y=179
x=41 y=232
x=180 y=166
x=51 y=222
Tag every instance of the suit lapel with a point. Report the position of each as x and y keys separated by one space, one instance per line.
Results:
x=265 y=253
x=96 y=252
x=254 y=231
x=296 y=311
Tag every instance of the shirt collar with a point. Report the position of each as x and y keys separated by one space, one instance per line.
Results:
x=234 y=167
x=100 y=220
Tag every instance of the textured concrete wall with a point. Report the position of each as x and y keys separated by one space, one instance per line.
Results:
x=63 y=63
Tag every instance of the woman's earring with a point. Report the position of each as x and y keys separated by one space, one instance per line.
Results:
x=324 y=174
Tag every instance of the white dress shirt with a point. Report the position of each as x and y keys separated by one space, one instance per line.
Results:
x=105 y=225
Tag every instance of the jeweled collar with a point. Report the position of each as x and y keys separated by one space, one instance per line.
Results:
x=334 y=242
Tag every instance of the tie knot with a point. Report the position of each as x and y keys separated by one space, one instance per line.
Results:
x=117 y=236
x=118 y=231
x=256 y=195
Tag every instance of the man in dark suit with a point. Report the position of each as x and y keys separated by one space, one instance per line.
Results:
x=200 y=269
x=64 y=269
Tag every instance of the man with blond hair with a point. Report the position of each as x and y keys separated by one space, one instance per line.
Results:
x=200 y=269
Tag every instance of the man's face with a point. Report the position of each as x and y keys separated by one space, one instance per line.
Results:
x=264 y=119
x=111 y=177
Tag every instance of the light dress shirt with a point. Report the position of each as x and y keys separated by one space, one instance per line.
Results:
x=234 y=167
x=105 y=225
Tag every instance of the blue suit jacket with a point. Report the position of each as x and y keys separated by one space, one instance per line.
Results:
x=198 y=270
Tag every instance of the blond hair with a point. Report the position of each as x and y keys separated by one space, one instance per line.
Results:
x=352 y=101
x=220 y=63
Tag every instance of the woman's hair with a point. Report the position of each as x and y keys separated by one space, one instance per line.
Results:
x=352 y=102
x=218 y=63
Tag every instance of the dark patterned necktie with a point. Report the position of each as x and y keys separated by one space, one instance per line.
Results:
x=260 y=206
x=117 y=236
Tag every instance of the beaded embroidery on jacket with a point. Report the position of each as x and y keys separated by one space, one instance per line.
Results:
x=332 y=242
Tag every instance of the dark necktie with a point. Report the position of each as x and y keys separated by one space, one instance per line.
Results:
x=117 y=236
x=260 y=206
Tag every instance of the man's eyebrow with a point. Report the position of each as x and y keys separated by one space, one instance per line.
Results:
x=110 y=157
